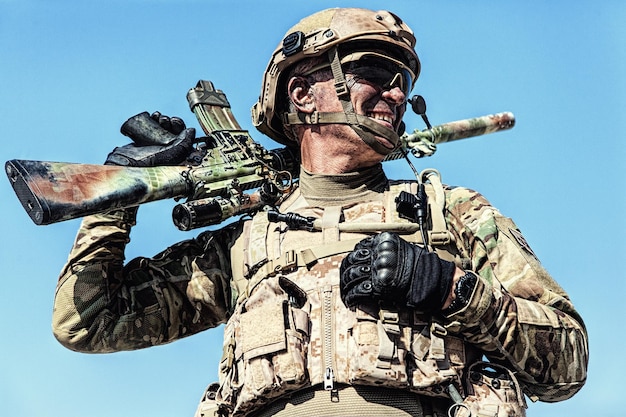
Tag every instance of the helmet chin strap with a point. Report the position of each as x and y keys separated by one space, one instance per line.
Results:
x=363 y=126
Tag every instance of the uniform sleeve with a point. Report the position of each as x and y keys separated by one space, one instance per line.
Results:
x=102 y=305
x=518 y=315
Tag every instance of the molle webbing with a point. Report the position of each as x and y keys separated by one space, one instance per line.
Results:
x=268 y=259
x=355 y=401
x=291 y=260
x=379 y=341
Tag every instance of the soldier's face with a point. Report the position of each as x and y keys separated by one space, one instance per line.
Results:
x=383 y=105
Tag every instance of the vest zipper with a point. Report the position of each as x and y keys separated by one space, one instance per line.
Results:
x=327 y=329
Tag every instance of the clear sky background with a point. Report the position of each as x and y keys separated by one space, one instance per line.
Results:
x=71 y=72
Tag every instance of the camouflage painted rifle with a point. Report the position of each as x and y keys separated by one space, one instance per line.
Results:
x=228 y=163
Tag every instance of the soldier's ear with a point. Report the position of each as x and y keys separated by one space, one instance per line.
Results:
x=301 y=95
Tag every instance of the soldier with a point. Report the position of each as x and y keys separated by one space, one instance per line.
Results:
x=362 y=317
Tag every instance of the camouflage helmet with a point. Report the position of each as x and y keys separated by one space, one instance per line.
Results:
x=338 y=31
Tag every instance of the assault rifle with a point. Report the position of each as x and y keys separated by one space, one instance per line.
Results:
x=226 y=163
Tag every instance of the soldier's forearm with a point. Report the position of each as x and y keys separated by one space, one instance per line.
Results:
x=89 y=279
x=539 y=342
x=102 y=238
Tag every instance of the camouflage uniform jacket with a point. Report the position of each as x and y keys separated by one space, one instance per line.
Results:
x=517 y=315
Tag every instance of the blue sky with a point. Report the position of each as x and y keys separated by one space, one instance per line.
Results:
x=72 y=72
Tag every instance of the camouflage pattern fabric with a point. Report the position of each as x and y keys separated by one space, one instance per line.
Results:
x=103 y=306
x=518 y=316
x=335 y=345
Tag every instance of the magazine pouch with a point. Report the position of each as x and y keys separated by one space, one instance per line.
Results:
x=269 y=337
x=493 y=391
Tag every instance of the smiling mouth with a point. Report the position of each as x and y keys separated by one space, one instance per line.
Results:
x=384 y=119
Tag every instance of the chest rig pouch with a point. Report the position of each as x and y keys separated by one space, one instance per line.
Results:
x=493 y=391
x=290 y=329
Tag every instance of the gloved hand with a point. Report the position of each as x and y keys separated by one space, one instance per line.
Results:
x=172 y=153
x=390 y=270
x=173 y=124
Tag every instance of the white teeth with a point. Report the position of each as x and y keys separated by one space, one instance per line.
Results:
x=384 y=118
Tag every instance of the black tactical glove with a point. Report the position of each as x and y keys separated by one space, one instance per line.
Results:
x=143 y=154
x=390 y=270
x=173 y=124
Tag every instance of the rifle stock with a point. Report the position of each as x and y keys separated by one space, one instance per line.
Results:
x=51 y=192
x=232 y=162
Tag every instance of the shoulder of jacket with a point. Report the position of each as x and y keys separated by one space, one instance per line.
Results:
x=464 y=199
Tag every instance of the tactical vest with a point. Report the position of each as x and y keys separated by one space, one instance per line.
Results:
x=290 y=330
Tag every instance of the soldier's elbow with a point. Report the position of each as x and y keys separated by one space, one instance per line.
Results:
x=71 y=332
x=552 y=393
x=73 y=340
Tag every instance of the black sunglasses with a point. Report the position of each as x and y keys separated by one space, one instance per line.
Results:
x=381 y=72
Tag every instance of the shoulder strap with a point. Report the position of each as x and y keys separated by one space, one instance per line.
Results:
x=439 y=234
x=249 y=253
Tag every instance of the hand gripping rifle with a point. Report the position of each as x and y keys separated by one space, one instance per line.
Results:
x=225 y=164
